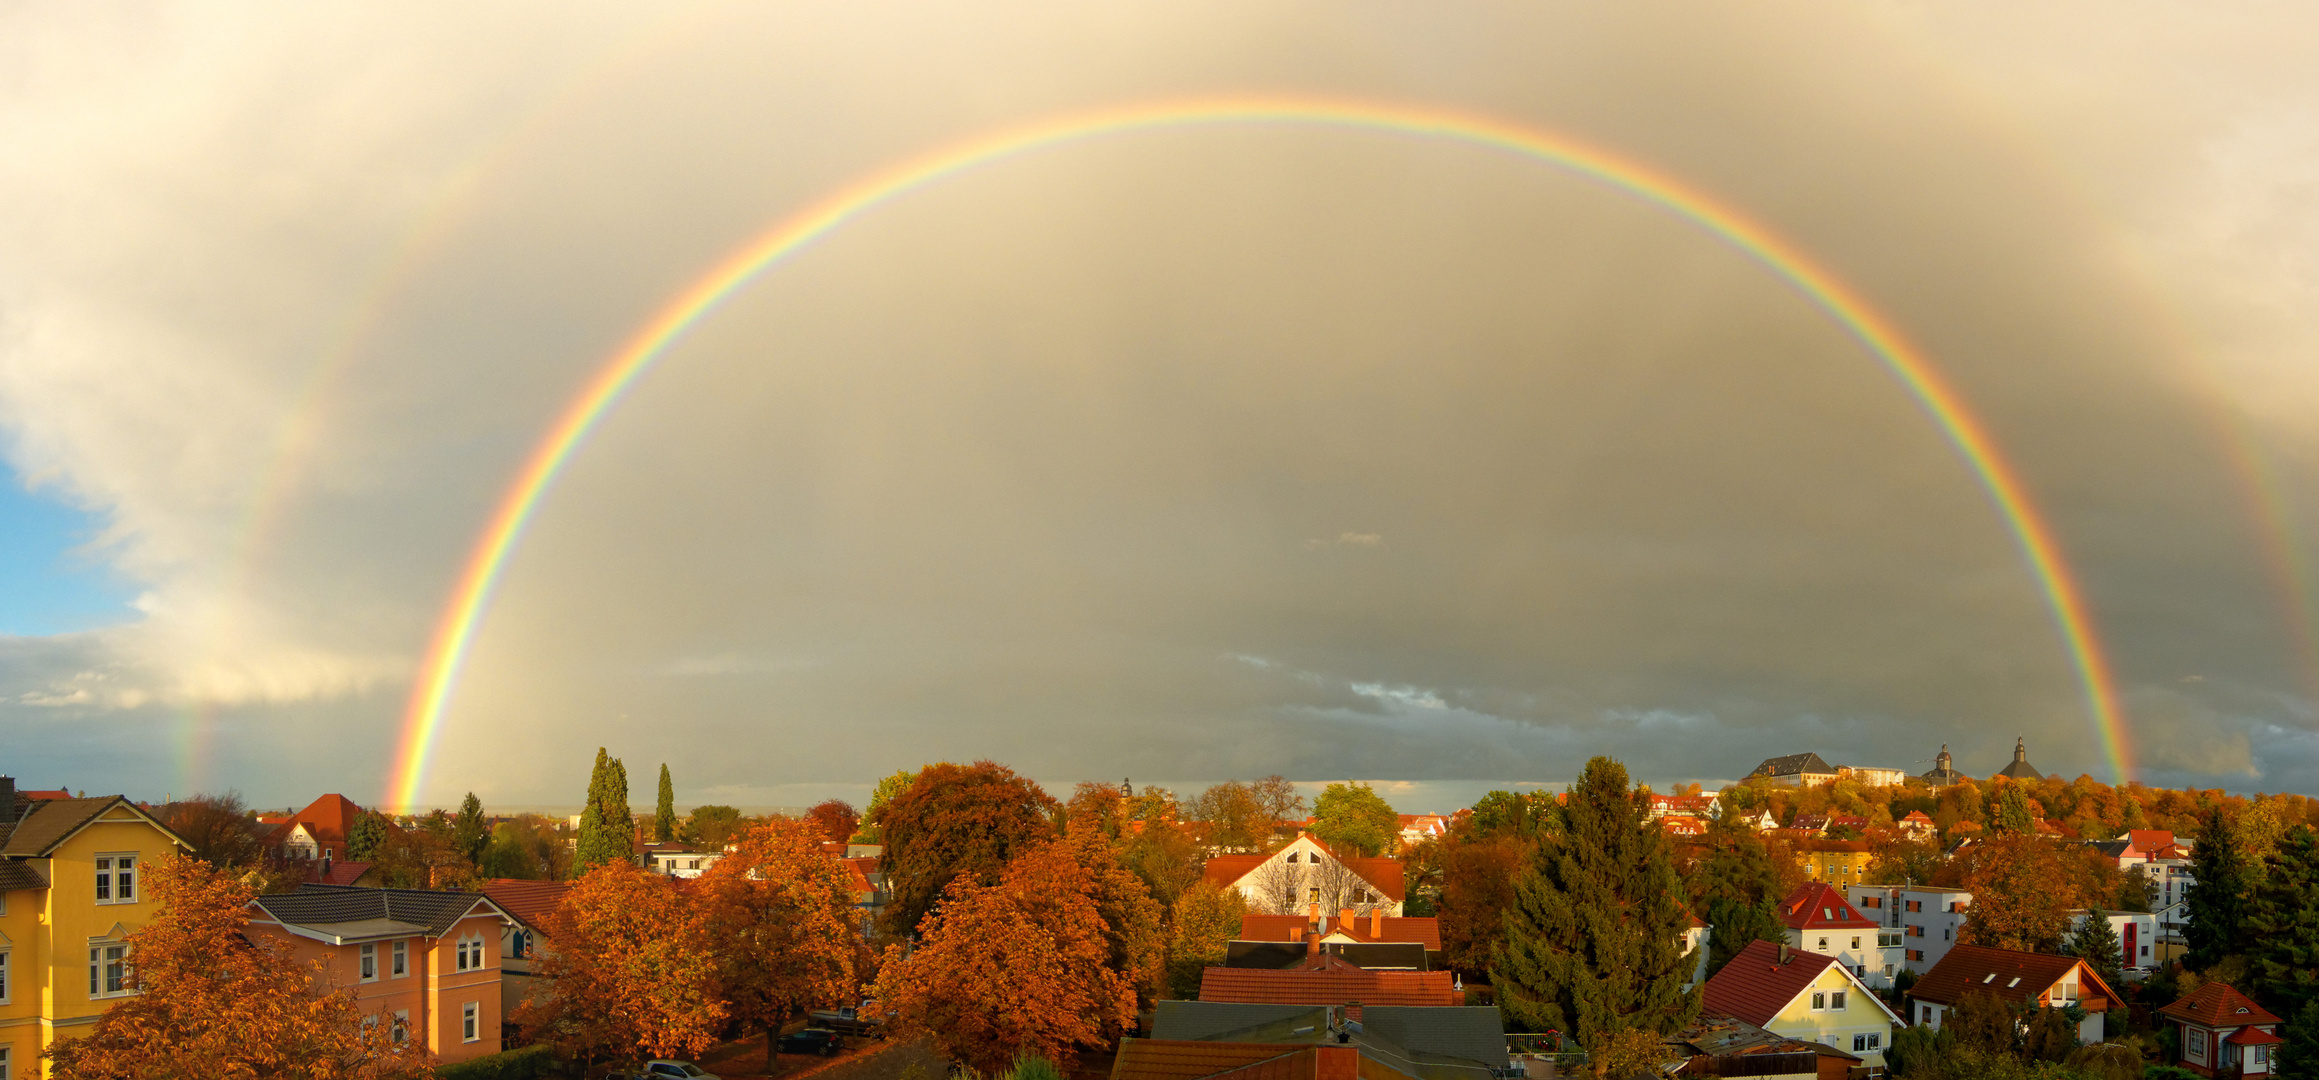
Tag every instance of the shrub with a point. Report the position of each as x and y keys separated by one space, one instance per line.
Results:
x=1034 y=1067
x=529 y=1063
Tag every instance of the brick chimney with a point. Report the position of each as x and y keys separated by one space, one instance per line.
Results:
x=1312 y=943
x=1345 y=919
x=1313 y=914
x=1377 y=922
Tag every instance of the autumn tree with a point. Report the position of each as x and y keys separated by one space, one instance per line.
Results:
x=664 y=809
x=2216 y=899
x=529 y=847
x=1013 y=968
x=213 y=1000
x=2022 y=894
x=1206 y=919
x=1478 y=873
x=607 y=829
x=952 y=821
x=2283 y=924
x=222 y=831
x=708 y=827
x=1594 y=939
x=632 y=968
x=1243 y=817
x=367 y=835
x=1354 y=819
x=1161 y=847
x=470 y=833
x=1134 y=924
x=869 y=831
x=780 y=917
x=2012 y=814
x=835 y=818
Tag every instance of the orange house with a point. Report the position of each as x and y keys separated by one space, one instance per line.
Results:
x=426 y=962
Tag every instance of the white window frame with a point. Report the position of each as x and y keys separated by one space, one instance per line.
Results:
x=366 y=962
x=1819 y=1001
x=1836 y=1001
x=401 y=954
x=99 y=976
x=7 y=1067
x=471 y=1022
x=116 y=883
x=7 y=989
x=402 y=1028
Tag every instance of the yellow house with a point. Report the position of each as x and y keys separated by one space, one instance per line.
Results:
x=1837 y=862
x=1802 y=995
x=72 y=886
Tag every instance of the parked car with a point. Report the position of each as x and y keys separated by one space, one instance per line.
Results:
x=811 y=1041
x=663 y=1069
x=851 y=1021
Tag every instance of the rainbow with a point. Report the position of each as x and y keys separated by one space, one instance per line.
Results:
x=455 y=632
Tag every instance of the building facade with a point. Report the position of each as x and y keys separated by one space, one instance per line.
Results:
x=72 y=890
x=1927 y=919
x=427 y=963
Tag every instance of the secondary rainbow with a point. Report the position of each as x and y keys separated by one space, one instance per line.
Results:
x=455 y=633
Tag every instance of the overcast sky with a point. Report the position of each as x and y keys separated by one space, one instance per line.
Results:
x=1186 y=455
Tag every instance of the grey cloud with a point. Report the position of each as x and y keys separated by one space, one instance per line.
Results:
x=1195 y=453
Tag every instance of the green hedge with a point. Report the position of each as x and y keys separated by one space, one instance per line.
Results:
x=529 y=1063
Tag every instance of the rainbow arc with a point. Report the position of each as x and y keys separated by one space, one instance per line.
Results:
x=1879 y=337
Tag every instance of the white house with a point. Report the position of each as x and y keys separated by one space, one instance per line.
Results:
x=2040 y=979
x=678 y=860
x=1820 y=920
x=1306 y=876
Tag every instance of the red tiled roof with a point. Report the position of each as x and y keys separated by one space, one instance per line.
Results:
x=1423 y=931
x=341 y=873
x=59 y=793
x=2253 y=1036
x=1757 y=984
x=2147 y=840
x=2216 y=1005
x=1916 y=817
x=1223 y=871
x=1817 y=905
x=328 y=818
x=1335 y=986
x=2010 y=976
x=529 y=901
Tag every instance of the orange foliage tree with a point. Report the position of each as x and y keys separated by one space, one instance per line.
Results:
x=956 y=820
x=780 y=914
x=2023 y=890
x=632 y=970
x=212 y=1002
x=1015 y=968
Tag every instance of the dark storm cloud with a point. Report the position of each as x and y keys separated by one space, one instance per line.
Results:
x=1199 y=453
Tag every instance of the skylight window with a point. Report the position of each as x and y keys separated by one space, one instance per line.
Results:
x=1989 y=978
x=2016 y=982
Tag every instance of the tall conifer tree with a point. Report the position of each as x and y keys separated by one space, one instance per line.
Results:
x=2299 y=1058
x=1594 y=939
x=664 y=815
x=607 y=831
x=2096 y=942
x=2217 y=896
x=2283 y=925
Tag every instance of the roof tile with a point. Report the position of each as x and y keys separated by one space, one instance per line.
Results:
x=2008 y=975
x=2216 y=1005
x=1760 y=982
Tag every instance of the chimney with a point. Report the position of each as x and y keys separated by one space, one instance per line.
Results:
x=7 y=799
x=1377 y=922
x=1313 y=914
x=1312 y=943
x=1783 y=954
x=1344 y=918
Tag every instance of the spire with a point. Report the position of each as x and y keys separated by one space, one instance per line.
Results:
x=2021 y=750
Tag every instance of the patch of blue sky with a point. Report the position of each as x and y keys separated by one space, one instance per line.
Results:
x=49 y=581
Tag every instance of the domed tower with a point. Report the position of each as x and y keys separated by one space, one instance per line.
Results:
x=2020 y=769
x=1944 y=770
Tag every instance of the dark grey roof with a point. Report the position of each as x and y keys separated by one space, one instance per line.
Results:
x=1466 y=1033
x=1381 y=954
x=48 y=821
x=316 y=905
x=2112 y=848
x=16 y=875
x=2019 y=768
x=1207 y=1021
x=1792 y=764
x=1270 y=955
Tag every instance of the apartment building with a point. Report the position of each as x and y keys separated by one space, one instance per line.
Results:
x=426 y=962
x=1819 y=920
x=1926 y=918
